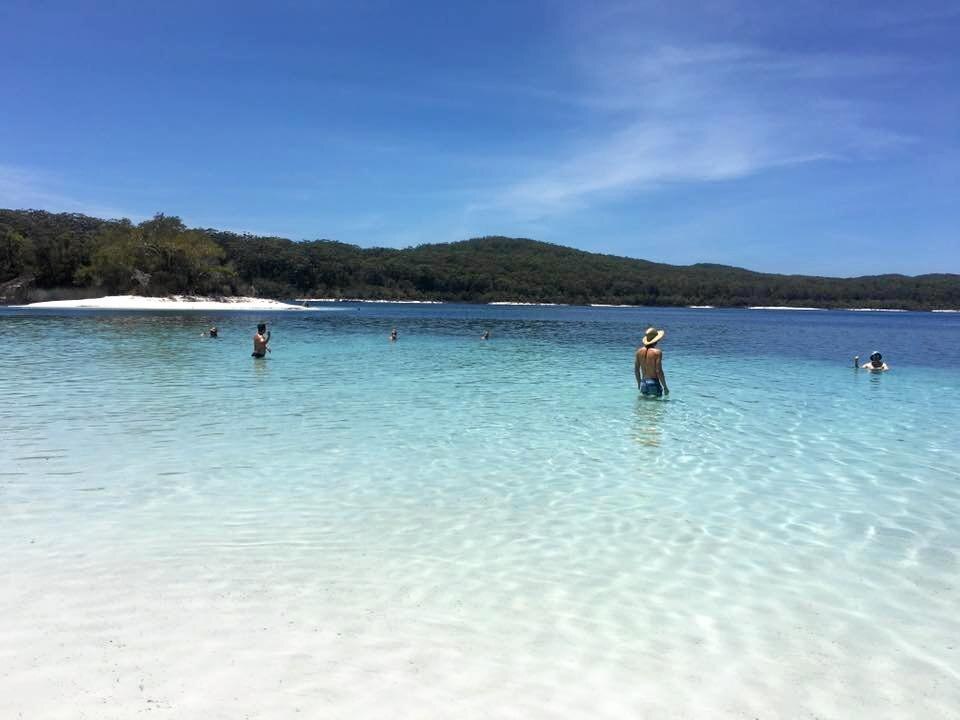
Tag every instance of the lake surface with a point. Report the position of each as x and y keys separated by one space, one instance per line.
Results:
x=446 y=527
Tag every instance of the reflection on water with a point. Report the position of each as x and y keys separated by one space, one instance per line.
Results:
x=649 y=417
x=876 y=379
x=261 y=367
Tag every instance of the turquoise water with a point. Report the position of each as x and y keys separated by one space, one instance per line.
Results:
x=499 y=528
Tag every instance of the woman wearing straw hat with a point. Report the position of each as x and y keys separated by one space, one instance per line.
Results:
x=648 y=365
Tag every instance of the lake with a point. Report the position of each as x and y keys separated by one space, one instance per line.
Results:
x=450 y=527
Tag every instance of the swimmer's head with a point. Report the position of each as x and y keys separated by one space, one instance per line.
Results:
x=876 y=357
x=262 y=328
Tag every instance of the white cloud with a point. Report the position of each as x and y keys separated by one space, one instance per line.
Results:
x=651 y=153
x=670 y=113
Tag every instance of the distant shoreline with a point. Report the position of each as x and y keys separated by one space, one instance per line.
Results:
x=71 y=256
x=253 y=304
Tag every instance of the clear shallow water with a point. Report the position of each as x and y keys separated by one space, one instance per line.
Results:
x=480 y=529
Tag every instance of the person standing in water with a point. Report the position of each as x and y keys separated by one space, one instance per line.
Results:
x=260 y=340
x=876 y=363
x=393 y=335
x=648 y=365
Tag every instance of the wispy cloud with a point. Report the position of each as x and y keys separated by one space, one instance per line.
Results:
x=652 y=153
x=701 y=113
x=25 y=188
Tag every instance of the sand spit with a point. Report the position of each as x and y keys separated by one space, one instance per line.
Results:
x=173 y=302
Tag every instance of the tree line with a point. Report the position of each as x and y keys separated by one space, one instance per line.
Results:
x=162 y=256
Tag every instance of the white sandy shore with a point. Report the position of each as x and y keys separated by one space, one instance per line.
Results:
x=357 y=300
x=876 y=310
x=174 y=302
x=503 y=302
x=780 y=307
x=188 y=302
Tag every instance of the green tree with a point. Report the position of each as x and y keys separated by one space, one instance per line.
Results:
x=157 y=256
x=16 y=255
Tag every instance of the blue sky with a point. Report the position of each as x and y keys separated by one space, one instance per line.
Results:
x=822 y=138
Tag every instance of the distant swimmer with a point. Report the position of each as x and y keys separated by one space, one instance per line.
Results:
x=648 y=365
x=393 y=335
x=212 y=332
x=876 y=363
x=486 y=335
x=260 y=340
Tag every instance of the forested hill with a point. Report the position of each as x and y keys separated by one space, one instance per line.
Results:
x=44 y=254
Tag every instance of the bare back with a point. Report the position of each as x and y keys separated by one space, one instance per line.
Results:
x=648 y=362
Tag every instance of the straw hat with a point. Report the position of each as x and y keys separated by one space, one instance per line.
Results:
x=652 y=336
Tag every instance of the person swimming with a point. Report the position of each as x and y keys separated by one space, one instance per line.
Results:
x=876 y=363
x=648 y=365
x=393 y=335
x=486 y=335
x=260 y=340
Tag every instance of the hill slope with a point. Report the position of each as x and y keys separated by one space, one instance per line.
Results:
x=61 y=251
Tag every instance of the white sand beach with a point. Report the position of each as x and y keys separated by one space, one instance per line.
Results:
x=358 y=300
x=503 y=302
x=173 y=302
x=886 y=310
x=780 y=307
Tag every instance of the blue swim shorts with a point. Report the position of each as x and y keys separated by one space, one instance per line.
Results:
x=651 y=386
